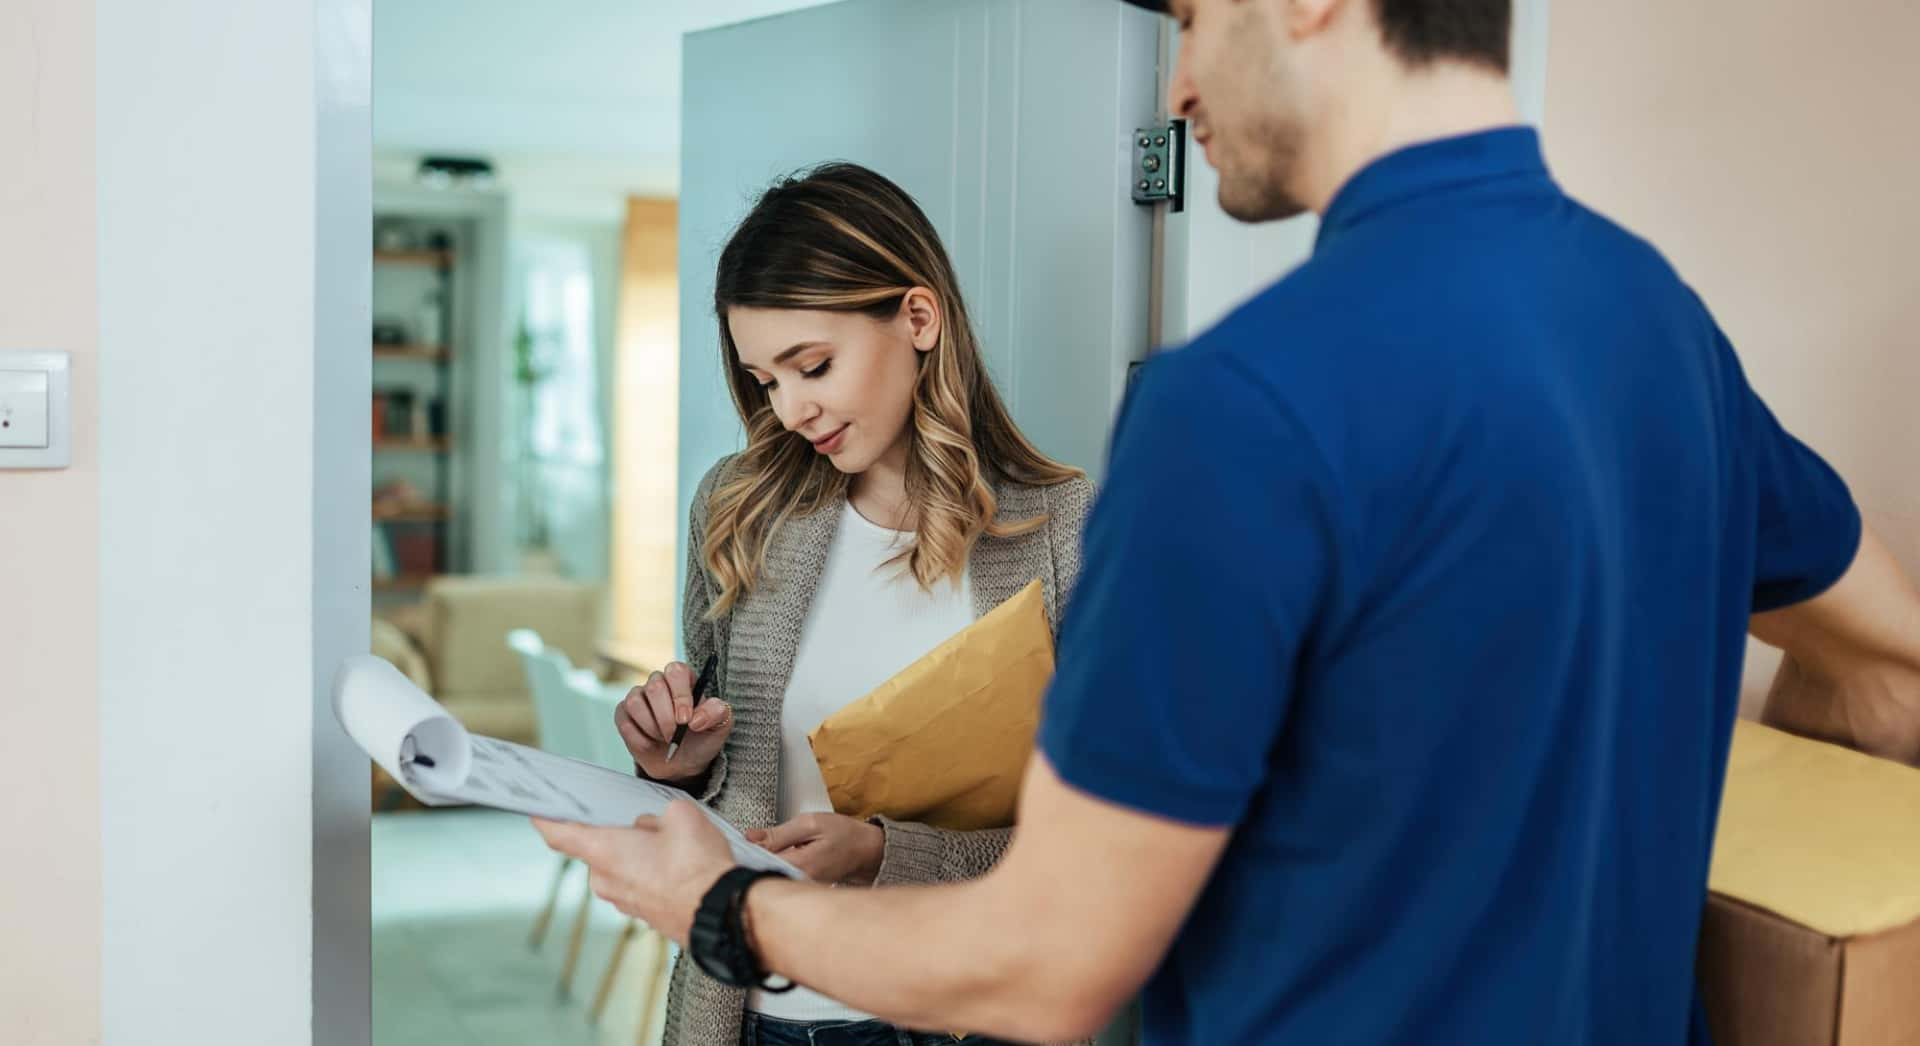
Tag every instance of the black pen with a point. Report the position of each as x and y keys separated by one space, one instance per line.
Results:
x=699 y=693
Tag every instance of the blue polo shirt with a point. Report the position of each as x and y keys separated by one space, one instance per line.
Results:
x=1428 y=572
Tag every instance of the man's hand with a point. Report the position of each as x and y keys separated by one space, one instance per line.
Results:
x=830 y=848
x=656 y=871
x=1852 y=671
x=648 y=715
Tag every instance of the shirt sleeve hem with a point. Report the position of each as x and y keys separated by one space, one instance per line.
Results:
x=1819 y=581
x=1155 y=799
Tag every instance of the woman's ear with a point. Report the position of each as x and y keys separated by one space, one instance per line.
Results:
x=921 y=310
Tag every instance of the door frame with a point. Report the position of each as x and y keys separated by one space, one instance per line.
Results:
x=341 y=989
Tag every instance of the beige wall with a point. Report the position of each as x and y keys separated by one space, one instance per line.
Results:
x=646 y=426
x=1769 y=149
x=49 y=541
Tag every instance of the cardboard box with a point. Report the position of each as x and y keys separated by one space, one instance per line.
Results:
x=1811 y=936
x=1768 y=981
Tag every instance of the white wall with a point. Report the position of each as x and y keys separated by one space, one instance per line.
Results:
x=187 y=833
x=555 y=186
x=233 y=236
x=587 y=80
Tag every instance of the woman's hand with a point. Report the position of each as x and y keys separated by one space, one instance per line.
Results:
x=830 y=848
x=647 y=716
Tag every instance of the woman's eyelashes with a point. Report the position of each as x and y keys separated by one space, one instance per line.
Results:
x=818 y=371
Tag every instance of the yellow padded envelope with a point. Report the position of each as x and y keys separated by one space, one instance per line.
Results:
x=1819 y=834
x=945 y=742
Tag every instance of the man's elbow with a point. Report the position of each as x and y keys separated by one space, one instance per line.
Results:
x=1070 y=1000
x=1061 y=1018
x=1084 y=1018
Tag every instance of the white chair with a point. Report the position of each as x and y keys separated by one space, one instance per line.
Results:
x=563 y=732
x=596 y=702
x=555 y=709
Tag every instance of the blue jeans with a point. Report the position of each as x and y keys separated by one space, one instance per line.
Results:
x=771 y=1031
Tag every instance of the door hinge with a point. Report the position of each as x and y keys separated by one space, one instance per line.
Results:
x=1160 y=164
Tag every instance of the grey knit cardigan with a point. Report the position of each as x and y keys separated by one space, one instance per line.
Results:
x=756 y=641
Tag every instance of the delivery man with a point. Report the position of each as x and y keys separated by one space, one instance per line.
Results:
x=1396 y=697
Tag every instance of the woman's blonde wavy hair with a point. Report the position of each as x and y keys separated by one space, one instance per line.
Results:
x=842 y=238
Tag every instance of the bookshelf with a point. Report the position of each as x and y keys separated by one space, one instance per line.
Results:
x=417 y=272
x=438 y=347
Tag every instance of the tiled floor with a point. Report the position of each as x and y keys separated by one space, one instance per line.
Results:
x=455 y=893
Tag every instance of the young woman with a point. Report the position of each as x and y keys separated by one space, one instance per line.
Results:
x=885 y=500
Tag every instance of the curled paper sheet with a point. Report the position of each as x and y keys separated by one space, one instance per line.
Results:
x=436 y=760
x=946 y=741
x=396 y=724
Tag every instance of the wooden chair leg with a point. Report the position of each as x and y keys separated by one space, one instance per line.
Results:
x=656 y=978
x=573 y=946
x=553 y=901
x=606 y=979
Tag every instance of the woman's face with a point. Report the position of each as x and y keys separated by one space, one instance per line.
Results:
x=842 y=380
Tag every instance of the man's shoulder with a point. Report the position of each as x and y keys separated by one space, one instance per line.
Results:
x=1285 y=341
x=1217 y=395
x=1289 y=324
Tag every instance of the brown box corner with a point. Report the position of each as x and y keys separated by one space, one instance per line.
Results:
x=1768 y=981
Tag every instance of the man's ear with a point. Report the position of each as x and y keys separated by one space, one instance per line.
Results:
x=1306 y=18
x=921 y=310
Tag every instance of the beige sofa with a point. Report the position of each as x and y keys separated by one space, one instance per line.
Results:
x=453 y=644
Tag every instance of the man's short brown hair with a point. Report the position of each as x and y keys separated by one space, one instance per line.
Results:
x=1421 y=32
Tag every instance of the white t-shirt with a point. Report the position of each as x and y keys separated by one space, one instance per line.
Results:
x=867 y=622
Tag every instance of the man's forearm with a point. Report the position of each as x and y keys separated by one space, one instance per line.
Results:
x=1852 y=668
x=1869 y=705
x=1046 y=947
x=953 y=958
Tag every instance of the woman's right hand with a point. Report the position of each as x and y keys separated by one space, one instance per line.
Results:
x=649 y=713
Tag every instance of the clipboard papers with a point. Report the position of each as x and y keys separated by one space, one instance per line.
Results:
x=439 y=763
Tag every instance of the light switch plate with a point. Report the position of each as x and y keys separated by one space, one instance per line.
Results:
x=23 y=409
x=35 y=410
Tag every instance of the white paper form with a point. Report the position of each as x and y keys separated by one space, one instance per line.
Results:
x=438 y=762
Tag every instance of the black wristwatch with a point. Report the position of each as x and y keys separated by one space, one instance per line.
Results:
x=718 y=939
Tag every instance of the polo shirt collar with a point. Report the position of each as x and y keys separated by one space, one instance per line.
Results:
x=1429 y=168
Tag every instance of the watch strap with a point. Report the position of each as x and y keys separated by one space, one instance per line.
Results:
x=718 y=940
